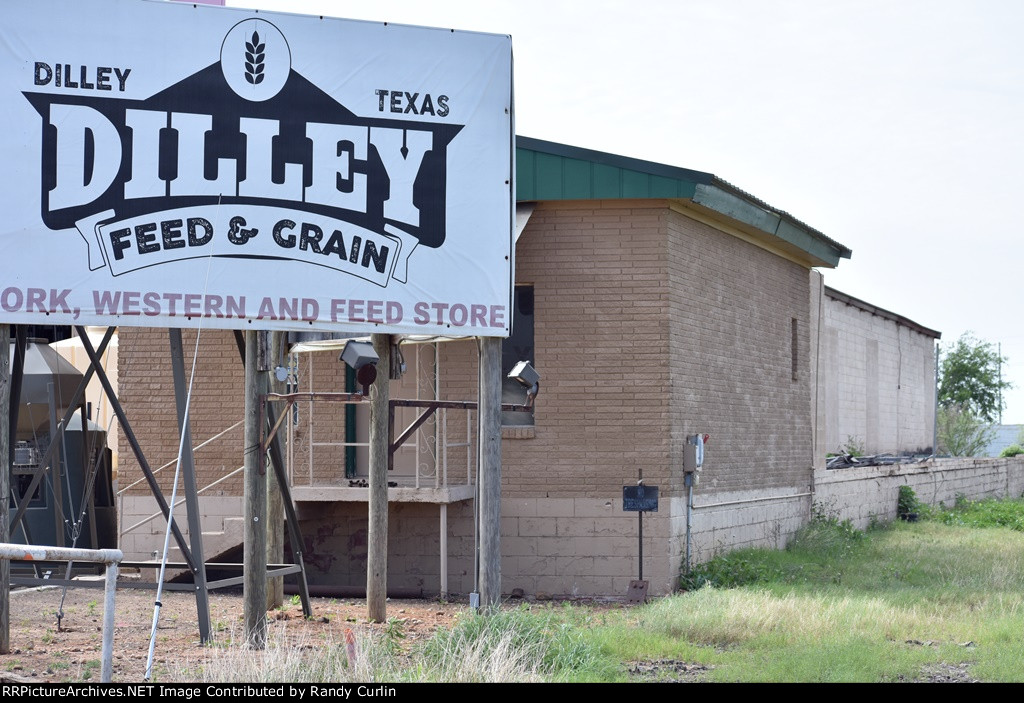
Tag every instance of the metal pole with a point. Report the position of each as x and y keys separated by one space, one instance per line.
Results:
x=17 y=376
x=195 y=528
x=129 y=435
x=689 y=521
x=291 y=517
x=110 y=557
x=640 y=531
x=56 y=440
x=640 y=526
x=109 y=591
x=444 y=550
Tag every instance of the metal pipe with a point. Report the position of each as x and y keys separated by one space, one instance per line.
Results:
x=444 y=550
x=110 y=557
x=689 y=520
x=751 y=500
x=109 y=590
x=172 y=462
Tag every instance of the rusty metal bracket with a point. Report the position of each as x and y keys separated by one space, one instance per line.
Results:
x=431 y=406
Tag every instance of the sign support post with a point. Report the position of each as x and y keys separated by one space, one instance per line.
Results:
x=255 y=550
x=489 y=471
x=377 y=533
x=639 y=499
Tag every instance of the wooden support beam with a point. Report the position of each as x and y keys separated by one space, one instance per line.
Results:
x=5 y=485
x=275 y=504
x=377 y=537
x=489 y=471
x=255 y=549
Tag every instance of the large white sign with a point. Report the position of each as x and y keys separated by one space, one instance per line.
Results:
x=171 y=165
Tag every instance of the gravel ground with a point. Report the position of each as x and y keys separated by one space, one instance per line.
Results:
x=40 y=652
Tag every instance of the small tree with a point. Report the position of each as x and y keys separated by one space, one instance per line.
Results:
x=970 y=378
x=961 y=432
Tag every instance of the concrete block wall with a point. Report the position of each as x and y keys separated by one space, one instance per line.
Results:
x=217 y=513
x=877 y=379
x=729 y=520
x=863 y=494
x=335 y=537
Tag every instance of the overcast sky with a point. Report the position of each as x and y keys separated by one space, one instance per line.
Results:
x=895 y=126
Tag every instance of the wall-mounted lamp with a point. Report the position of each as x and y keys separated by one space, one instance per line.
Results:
x=363 y=360
x=526 y=375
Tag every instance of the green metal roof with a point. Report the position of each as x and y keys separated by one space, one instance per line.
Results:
x=550 y=171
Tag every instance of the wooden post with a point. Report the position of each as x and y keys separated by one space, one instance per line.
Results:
x=255 y=551
x=275 y=505
x=5 y=485
x=489 y=471
x=377 y=537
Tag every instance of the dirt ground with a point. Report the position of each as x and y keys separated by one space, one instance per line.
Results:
x=40 y=652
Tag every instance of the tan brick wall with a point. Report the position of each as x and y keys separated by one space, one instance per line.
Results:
x=601 y=339
x=147 y=393
x=648 y=326
x=732 y=310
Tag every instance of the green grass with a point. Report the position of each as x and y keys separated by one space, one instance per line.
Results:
x=840 y=605
x=983 y=513
x=892 y=604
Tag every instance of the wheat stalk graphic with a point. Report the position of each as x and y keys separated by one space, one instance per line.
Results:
x=254 y=55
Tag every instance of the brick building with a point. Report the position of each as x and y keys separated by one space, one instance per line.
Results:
x=656 y=302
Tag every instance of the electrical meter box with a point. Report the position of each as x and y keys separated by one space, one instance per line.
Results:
x=693 y=454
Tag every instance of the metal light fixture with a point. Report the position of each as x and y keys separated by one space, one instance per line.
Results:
x=363 y=360
x=526 y=375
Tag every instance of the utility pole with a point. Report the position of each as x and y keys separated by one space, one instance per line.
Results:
x=1000 y=352
x=255 y=549
x=489 y=470
x=380 y=439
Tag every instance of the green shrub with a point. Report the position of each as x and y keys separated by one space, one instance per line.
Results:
x=739 y=568
x=907 y=503
x=1012 y=450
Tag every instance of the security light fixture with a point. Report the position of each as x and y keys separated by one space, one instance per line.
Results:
x=527 y=376
x=363 y=360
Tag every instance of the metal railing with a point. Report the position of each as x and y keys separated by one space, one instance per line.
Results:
x=109 y=557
